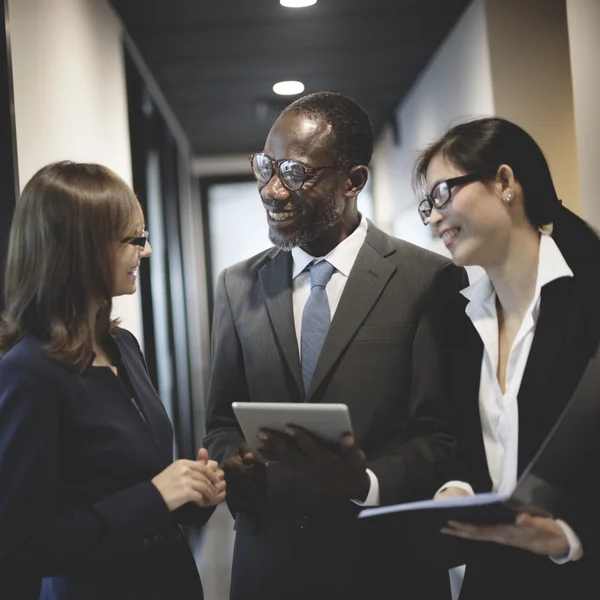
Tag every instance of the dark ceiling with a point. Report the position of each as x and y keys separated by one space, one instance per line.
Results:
x=217 y=60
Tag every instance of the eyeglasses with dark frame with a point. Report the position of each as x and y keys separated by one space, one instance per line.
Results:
x=291 y=173
x=138 y=241
x=441 y=194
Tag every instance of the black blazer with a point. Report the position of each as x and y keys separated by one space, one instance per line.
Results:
x=77 y=506
x=566 y=337
x=378 y=359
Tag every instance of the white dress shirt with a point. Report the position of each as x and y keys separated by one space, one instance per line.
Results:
x=342 y=257
x=499 y=413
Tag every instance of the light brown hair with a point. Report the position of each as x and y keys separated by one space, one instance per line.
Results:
x=61 y=258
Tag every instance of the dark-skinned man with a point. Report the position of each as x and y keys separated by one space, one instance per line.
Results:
x=331 y=274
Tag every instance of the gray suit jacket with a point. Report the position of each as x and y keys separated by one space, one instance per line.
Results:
x=379 y=358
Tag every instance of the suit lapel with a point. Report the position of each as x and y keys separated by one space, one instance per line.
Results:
x=276 y=280
x=367 y=280
x=545 y=367
x=465 y=373
x=549 y=339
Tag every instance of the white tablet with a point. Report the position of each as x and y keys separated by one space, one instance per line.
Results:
x=328 y=421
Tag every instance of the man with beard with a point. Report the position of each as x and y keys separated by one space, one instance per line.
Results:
x=297 y=532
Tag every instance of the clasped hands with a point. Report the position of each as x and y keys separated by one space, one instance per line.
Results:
x=540 y=535
x=201 y=482
x=341 y=468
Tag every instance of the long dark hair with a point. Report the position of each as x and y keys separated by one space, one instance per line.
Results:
x=61 y=258
x=482 y=145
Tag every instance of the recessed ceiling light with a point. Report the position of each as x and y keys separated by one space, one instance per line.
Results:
x=288 y=88
x=297 y=3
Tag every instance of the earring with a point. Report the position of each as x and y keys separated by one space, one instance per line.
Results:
x=507 y=197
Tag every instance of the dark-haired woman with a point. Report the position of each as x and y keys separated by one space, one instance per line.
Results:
x=90 y=499
x=516 y=343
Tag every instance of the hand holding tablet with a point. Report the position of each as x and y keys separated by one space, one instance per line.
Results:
x=315 y=438
x=327 y=421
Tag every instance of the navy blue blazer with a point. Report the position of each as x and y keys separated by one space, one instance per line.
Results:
x=79 y=515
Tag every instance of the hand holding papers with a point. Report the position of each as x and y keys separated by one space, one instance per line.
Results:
x=542 y=490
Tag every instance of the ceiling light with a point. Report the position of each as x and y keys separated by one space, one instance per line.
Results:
x=288 y=88
x=297 y=3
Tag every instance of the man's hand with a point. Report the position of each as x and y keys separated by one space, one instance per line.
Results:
x=342 y=468
x=245 y=479
x=541 y=535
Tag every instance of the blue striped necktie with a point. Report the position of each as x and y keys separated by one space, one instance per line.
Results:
x=315 y=319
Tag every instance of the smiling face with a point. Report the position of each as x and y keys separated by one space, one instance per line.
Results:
x=476 y=224
x=127 y=261
x=313 y=216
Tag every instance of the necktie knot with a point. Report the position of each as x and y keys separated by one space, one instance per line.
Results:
x=320 y=273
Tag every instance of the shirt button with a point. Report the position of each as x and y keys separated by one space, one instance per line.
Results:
x=304 y=522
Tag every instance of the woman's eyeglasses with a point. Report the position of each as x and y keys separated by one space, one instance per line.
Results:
x=138 y=241
x=292 y=173
x=441 y=194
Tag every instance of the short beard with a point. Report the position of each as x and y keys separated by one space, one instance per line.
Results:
x=308 y=232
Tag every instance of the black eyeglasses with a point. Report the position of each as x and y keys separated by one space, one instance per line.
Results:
x=292 y=173
x=441 y=194
x=138 y=241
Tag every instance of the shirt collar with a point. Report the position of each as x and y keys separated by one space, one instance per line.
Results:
x=551 y=266
x=342 y=257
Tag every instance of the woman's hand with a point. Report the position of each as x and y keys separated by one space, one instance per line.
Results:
x=541 y=535
x=200 y=481
x=451 y=492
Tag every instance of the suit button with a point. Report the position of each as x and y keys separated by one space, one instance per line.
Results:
x=304 y=522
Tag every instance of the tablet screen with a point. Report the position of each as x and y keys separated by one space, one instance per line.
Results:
x=327 y=421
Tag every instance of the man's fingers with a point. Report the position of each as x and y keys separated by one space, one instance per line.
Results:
x=248 y=458
x=351 y=451
x=202 y=455
x=280 y=447
x=246 y=453
x=307 y=443
x=245 y=449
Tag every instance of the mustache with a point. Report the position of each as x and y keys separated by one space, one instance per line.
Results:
x=288 y=205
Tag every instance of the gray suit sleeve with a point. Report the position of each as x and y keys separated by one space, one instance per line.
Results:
x=413 y=466
x=228 y=379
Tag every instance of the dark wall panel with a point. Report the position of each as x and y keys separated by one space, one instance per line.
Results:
x=9 y=184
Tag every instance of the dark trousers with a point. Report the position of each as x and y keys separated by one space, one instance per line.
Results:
x=303 y=558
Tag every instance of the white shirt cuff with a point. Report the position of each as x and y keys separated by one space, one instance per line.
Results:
x=575 y=547
x=372 y=498
x=459 y=484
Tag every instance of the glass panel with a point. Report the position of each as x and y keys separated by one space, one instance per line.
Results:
x=235 y=212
